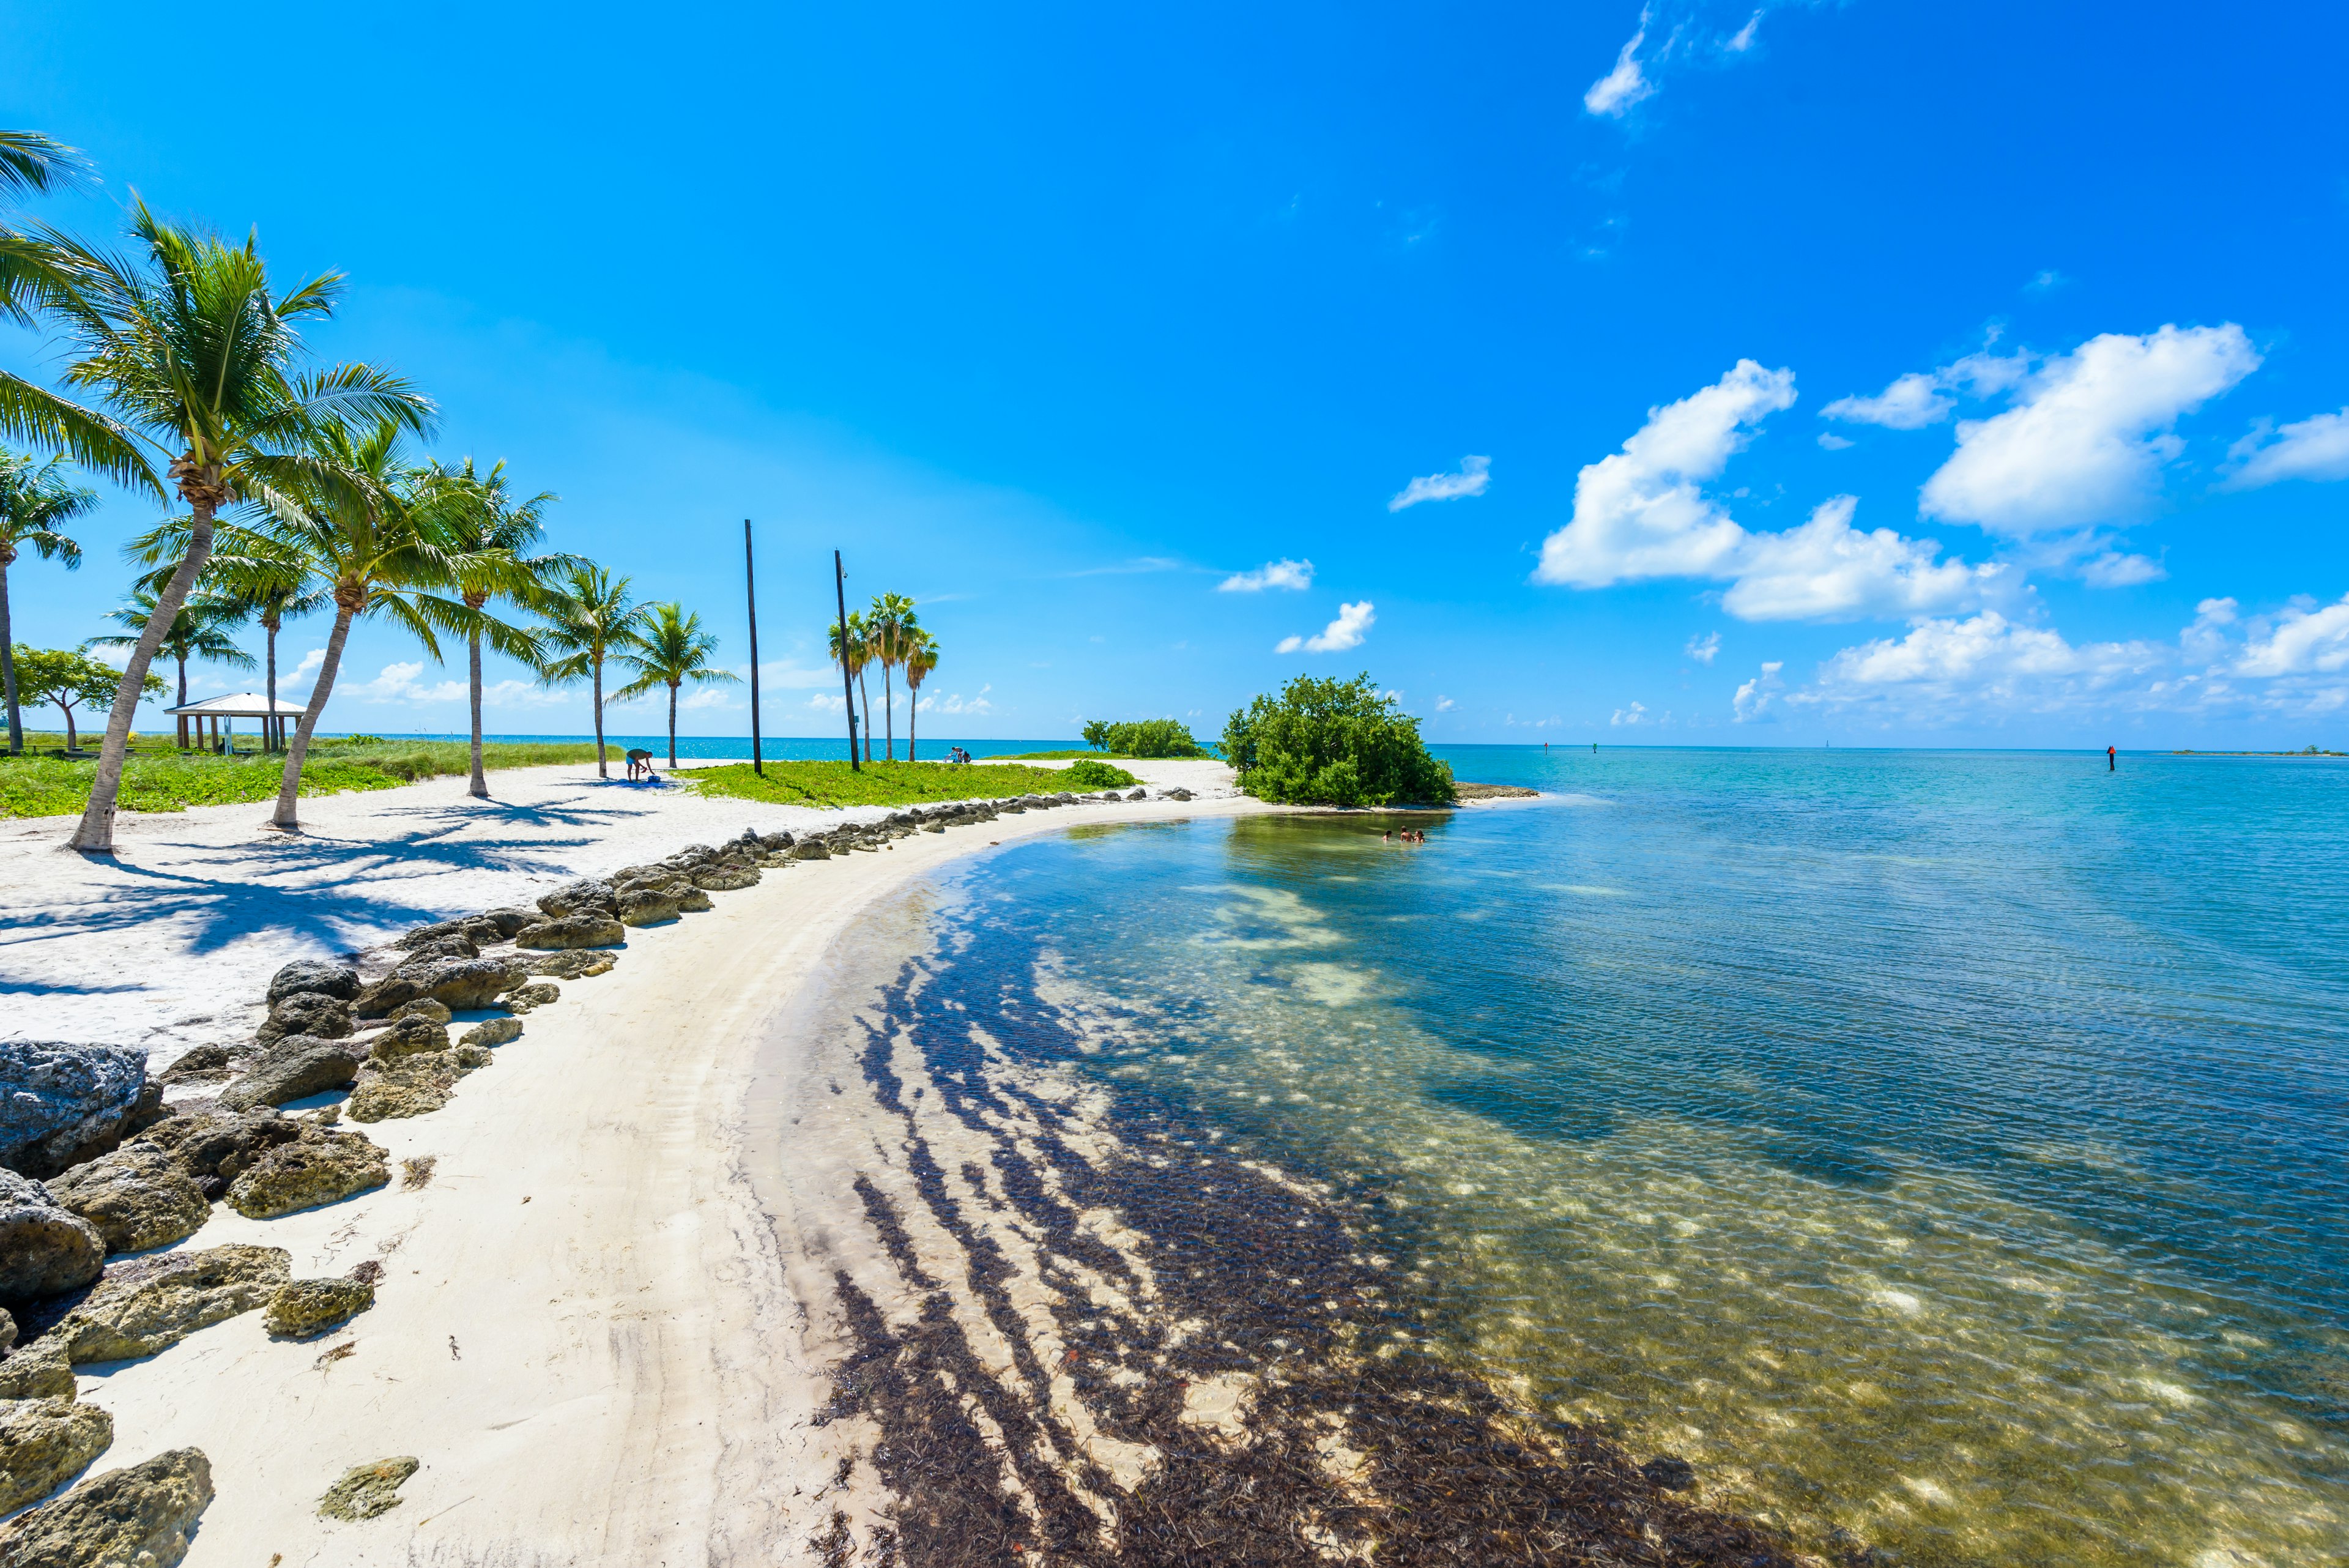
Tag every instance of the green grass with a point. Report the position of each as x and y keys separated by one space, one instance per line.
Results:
x=1058 y=756
x=880 y=783
x=157 y=778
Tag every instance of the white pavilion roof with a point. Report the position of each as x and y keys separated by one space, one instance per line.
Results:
x=238 y=705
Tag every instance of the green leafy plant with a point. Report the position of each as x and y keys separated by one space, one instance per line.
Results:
x=1149 y=738
x=70 y=679
x=1092 y=772
x=1333 y=743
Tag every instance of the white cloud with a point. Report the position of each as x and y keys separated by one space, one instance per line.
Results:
x=2116 y=569
x=1347 y=631
x=821 y=703
x=398 y=683
x=1638 y=512
x=1281 y=574
x=1753 y=700
x=2046 y=282
x=1911 y=402
x=1828 y=570
x=1704 y=648
x=2087 y=439
x=1613 y=94
x=787 y=675
x=1943 y=669
x=2315 y=448
x=1475 y=473
x=1834 y=442
x=1444 y=704
x=2304 y=641
x=309 y=665
x=1742 y=39
x=1631 y=715
x=714 y=696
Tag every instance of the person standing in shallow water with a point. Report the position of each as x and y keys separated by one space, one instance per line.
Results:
x=2112 y=760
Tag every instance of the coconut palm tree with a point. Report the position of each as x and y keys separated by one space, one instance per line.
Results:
x=892 y=626
x=195 y=365
x=853 y=658
x=671 y=649
x=586 y=619
x=267 y=581
x=491 y=535
x=371 y=537
x=33 y=501
x=921 y=657
x=199 y=631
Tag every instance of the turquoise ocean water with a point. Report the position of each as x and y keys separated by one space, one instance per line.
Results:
x=1943 y=1152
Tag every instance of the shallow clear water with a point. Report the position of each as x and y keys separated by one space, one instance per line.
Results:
x=1941 y=1151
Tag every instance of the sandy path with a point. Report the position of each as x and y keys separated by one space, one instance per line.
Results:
x=170 y=944
x=590 y=1330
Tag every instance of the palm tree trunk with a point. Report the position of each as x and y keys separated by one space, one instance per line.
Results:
x=913 y=713
x=182 y=659
x=95 y=834
x=481 y=785
x=672 y=726
x=8 y=662
x=601 y=770
x=865 y=697
x=289 y=787
x=889 y=711
x=269 y=725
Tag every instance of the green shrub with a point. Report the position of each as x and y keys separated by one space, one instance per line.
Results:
x=1150 y=738
x=1333 y=743
x=1092 y=772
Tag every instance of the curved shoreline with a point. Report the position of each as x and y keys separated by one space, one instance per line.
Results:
x=589 y=1330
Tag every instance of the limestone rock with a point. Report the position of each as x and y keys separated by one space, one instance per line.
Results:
x=693 y=900
x=411 y=1087
x=446 y=942
x=510 y=920
x=572 y=965
x=645 y=907
x=336 y=980
x=423 y=1007
x=529 y=996
x=8 y=1330
x=367 y=1490
x=774 y=843
x=318 y=1167
x=310 y=1013
x=150 y=1304
x=809 y=849
x=726 y=879
x=37 y=1371
x=62 y=1103
x=593 y=931
x=214 y=1146
x=587 y=896
x=456 y=982
x=45 y=1247
x=199 y=1065
x=42 y=1442
x=492 y=1032
x=406 y=1037
x=134 y=1518
x=138 y=1197
x=293 y=1067
x=472 y=1058
x=1177 y=793
x=305 y=1307
x=1137 y=793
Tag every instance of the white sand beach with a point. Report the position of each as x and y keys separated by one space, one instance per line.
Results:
x=600 y=1328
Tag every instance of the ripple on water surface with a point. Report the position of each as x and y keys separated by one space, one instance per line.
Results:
x=1944 y=1153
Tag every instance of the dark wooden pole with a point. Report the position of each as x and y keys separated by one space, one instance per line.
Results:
x=751 y=584
x=847 y=686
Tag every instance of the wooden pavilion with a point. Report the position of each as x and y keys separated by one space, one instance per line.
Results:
x=208 y=725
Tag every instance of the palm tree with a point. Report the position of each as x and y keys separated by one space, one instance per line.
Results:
x=367 y=536
x=671 y=649
x=921 y=657
x=892 y=627
x=853 y=658
x=33 y=502
x=491 y=535
x=266 y=581
x=199 y=631
x=588 y=618
x=33 y=165
x=196 y=365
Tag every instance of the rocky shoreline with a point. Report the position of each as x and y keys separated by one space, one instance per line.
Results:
x=106 y=1172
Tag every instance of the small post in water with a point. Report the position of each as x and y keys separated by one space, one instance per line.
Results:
x=847 y=686
x=751 y=584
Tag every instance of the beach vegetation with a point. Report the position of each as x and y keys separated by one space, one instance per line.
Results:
x=587 y=616
x=1092 y=772
x=1333 y=743
x=670 y=650
x=55 y=677
x=166 y=779
x=851 y=647
x=1146 y=738
x=921 y=657
x=893 y=630
x=35 y=503
x=198 y=385
x=828 y=784
x=269 y=586
x=200 y=632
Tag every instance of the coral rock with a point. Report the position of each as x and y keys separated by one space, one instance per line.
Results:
x=492 y=1032
x=305 y=1307
x=138 y=1197
x=45 y=1247
x=337 y=980
x=367 y=1490
x=572 y=965
x=411 y=1087
x=587 y=896
x=44 y=1441
x=133 y=1518
x=61 y=1104
x=595 y=930
x=319 y=1167
x=408 y=1037
x=423 y=1007
x=150 y=1304
x=646 y=907
x=37 y=1371
x=306 y=1012
x=293 y=1067
x=529 y=996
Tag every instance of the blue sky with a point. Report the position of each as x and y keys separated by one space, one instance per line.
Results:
x=1866 y=371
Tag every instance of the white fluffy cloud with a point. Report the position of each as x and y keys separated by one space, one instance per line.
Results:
x=1631 y=715
x=1753 y=700
x=1282 y=574
x=1642 y=513
x=956 y=703
x=2315 y=448
x=1703 y=649
x=2302 y=639
x=2117 y=569
x=2089 y=433
x=1910 y=402
x=1353 y=623
x=1954 y=665
x=1613 y=94
x=1475 y=473
x=398 y=683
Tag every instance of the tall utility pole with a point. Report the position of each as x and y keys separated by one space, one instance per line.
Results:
x=847 y=686
x=750 y=583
